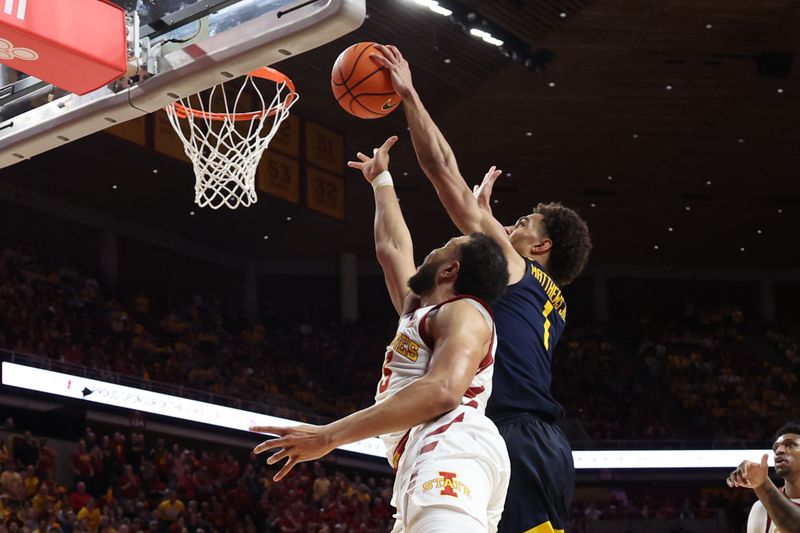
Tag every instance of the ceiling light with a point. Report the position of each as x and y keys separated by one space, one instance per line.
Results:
x=551 y=84
x=688 y=208
x=288 y=219
x=594 y=204
x=668 y=87
x=635 y=135
x=741 y=141
x=610 y=178
x=114 y=187
x=759 y=232
x=741 y=249
x=508 y=174
x=709 y=26
x=266 y=237
x=485 y=36
x=405 y=173
x=435 y=7
x=155 y=171
x=780 y=211
x=563 y=15
x=655 y=247
x=708 y=182
x=191 y=213
x=670 y=229
x=495 y=202
x=439 y=10
x=447 y=60
x=528 y=134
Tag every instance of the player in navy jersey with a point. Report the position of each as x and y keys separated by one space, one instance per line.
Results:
x=545 y=249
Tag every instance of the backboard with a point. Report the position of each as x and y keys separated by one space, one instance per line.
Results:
x=175 y=48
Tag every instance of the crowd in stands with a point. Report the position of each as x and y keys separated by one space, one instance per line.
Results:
x=714 y=370
x=57 y=312
x=703 y=370
x=723 y=508
x=592 y=376
x=129 y=484
x=721 y=375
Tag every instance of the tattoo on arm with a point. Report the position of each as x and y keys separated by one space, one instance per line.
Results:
x=781 y=509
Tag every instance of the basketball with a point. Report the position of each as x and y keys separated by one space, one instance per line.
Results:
x=361 y=85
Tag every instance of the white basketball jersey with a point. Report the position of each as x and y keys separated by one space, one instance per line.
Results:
x=760 y=522
x=408 y=357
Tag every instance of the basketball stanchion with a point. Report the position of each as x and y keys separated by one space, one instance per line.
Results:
x=225 y=146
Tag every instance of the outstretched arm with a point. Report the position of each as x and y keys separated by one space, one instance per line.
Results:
x=783 y=512
x=462 y=338
x=393 y=245
x=437 y=160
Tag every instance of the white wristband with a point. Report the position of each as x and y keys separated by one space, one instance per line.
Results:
x=384 y=179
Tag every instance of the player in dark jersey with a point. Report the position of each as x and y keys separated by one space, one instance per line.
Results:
x=545 y=249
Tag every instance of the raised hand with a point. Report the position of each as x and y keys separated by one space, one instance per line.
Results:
x=750 y=475
x=372 y=166
x=391 y=58
x=298 y=444
x=483 y=192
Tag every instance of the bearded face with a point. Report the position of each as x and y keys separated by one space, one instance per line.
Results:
x=424 y=280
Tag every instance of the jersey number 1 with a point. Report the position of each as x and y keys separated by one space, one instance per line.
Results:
x=548 y=308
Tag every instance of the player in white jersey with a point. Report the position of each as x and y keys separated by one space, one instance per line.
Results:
x=452 y=465
x=777 y=510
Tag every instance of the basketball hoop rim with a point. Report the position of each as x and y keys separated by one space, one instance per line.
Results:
x=265 y=73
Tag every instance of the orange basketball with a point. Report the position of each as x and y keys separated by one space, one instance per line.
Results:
x=361 y=85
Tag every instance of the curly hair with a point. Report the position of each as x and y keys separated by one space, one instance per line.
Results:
x=484 y=269
x=571 y=241
x=789 y=427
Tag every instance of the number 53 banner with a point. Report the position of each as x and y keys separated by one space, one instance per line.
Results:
x=279 y=176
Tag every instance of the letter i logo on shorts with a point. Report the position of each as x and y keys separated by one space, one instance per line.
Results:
x=449 y=484
x=449 y=481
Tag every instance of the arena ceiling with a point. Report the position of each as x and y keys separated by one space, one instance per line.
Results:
x=652 y=119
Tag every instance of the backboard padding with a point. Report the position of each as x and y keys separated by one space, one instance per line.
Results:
x=273 y=32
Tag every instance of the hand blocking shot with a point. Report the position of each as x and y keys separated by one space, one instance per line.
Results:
x=452 y=466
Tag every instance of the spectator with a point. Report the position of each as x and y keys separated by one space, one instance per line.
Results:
x=129 y=484
x=322 y=485
x=47 y=461
x=26 y=451
x=30 y=482
x=169 y=510
x=81 y=464
x=12 y=520
x=80 y=498
x=11 y=483
x=42 y=501
x=91 y=514
x=239 y=498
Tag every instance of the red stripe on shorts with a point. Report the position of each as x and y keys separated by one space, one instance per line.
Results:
x=442 y=429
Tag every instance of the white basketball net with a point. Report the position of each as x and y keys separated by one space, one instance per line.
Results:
x=225 y=152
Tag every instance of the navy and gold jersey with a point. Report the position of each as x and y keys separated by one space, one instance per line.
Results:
x=529 y=319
